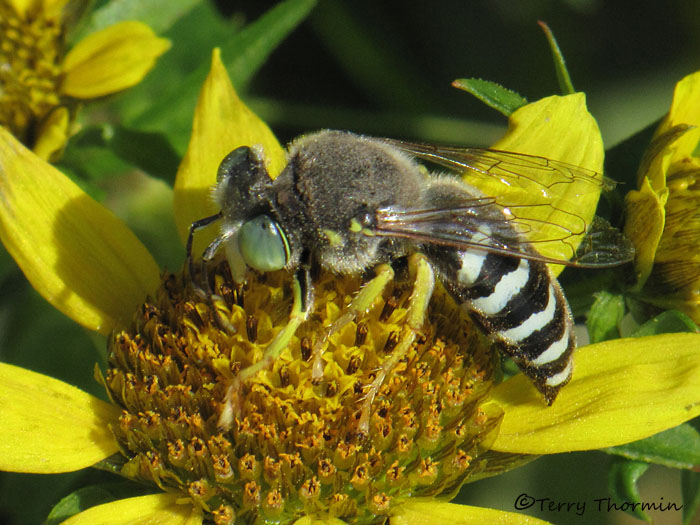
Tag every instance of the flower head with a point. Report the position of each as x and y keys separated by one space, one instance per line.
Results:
x=663 y=215
x=292 y=451
x=40 y=80
x=294 y=447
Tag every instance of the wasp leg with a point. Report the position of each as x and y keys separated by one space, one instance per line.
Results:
x=201 y=282
x=424 y=282
x=359 y=305
x=302 y=292
x=204 y=289
x=194 y=227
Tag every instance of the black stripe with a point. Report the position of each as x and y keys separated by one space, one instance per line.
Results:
x=447 y=261
x=539 y=375
x=532 y=298
x=539 y=341
x=493 y=269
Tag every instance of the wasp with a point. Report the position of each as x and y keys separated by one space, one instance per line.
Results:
x=352 y=204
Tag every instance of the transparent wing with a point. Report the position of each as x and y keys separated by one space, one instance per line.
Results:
x=603 y=245
x=508 y=168
x=523 y=205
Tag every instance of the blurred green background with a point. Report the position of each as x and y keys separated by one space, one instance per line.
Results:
x=381 y=68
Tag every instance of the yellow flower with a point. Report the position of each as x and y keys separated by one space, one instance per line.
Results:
x=41 y=83
x=663 y=215
x=89 y=265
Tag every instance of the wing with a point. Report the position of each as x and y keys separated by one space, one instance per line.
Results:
x=602 y=246
x=508 y=168
x=530 y=204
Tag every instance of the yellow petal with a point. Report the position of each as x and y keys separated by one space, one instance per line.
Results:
x=685 y=109
x=110 y=60
x=622 y=390
x=561 y=129
x=53 y=134
x=156 y=509
x=222 y=122
x=644 y=224
x=75 y=252
x=49 y=426
x=429 y=512
x=663 y=151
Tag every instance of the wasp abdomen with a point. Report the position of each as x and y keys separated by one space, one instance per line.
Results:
x=520 y=306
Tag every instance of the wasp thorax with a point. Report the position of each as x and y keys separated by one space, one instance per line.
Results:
x=295 y=445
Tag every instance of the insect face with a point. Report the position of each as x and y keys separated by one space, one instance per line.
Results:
x=250 y=236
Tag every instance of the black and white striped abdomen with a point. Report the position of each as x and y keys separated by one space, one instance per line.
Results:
x=520 y=305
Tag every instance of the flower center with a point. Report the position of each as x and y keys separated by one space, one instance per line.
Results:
x=294 y=448
x=30 y=52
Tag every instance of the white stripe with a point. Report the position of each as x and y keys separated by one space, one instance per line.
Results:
x=555 y=350
x=473 y=260
x=533 y=323
x=561 y=377
x=507 y=288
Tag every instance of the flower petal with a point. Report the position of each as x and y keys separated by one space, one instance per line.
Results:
x=562 y=129
x=49 y=426
x=75 y=252
x=221 y=124
x=110 y=60
x=685 y=109
x=161 y=509
x=428 y=512
x=53 y=135
x=644 y=224
x=556 y=127
x=622 y=390
x=660 y=155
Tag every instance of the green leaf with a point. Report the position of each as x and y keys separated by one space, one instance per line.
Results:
x=248 y=50
x=103 y=151
x=78 y=501
x=677 y=447
x=382 y=69
x=425 y=127
x=7 y=264
x=565 y=84
x=193 y=37
x=690 y=487
x=604 y=317
x=492 y=94
x=36 y=336
x=159 y=15
x=91 y=496
x=45 y=491
x=622 y=484
x=243 y=54
x=89 y=157
x=150 y=152
x=668 y=322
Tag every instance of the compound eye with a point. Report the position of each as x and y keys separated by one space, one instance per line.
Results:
x=263 y=245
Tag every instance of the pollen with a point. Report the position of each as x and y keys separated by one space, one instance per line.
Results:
x=294 y=447
x=31 y=48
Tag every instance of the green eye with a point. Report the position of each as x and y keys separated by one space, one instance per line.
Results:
x=263 y=244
